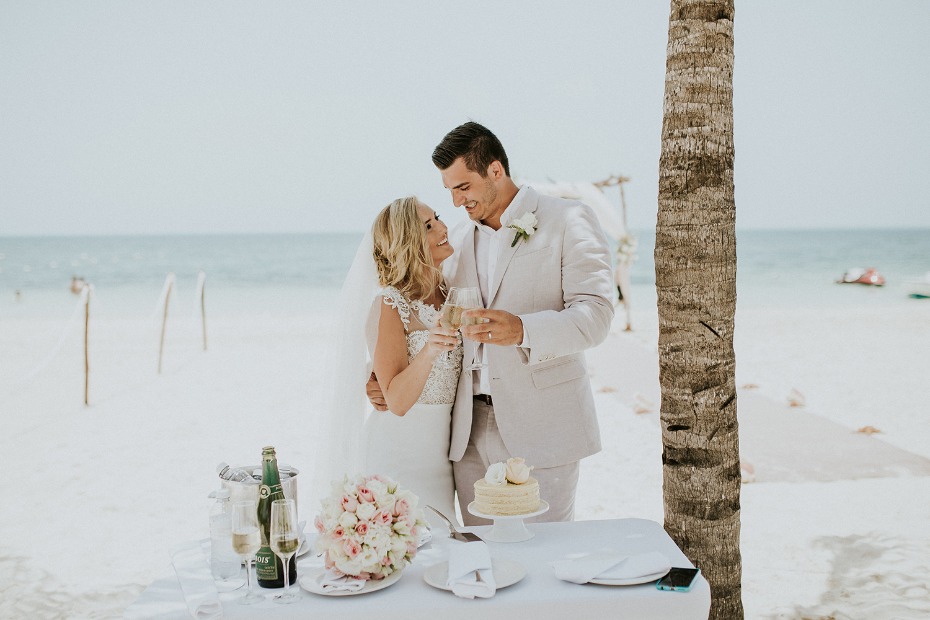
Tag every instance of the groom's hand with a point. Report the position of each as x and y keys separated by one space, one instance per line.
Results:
x=495 y=327
x=375 y=395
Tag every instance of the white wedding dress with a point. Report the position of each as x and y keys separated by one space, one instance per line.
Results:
x=413 y=449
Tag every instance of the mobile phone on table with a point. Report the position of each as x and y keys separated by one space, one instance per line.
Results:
x=678 y=579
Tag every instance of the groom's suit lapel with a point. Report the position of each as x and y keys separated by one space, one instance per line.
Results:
x=508 y=249
x=469 y=265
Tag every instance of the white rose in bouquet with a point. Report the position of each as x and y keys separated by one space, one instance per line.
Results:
x=369 y=527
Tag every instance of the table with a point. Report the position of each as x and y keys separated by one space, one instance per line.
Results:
x=540 y=595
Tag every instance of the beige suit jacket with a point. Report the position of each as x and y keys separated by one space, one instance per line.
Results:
x=560 y=283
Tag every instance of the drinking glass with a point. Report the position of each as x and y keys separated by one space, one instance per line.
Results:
x=285 y=540
x=246 y=541
x=470 y=299
x=451 y=316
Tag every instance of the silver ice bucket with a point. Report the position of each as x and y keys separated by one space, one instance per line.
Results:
x=246 y=491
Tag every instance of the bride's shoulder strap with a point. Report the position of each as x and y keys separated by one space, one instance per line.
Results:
x=396 y=300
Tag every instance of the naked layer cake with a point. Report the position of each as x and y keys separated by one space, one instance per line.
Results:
x=507 y=489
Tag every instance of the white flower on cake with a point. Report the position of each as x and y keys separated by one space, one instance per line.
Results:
x=517 y=470
x=496 y=474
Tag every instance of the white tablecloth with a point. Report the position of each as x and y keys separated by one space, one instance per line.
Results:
x=540 y=595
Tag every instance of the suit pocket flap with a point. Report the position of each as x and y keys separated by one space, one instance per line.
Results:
x=560 y=373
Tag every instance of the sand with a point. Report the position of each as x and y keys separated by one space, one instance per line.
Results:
x=834 y=522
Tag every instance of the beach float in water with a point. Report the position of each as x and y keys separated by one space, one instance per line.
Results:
x=919 y=288
x=869 y=277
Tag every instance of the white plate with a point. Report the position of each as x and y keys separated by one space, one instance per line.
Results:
x=310 y=581
x=630 y=581
x=506 y=573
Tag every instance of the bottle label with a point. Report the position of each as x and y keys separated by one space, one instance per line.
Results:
x=266 y=568
x=265 y=491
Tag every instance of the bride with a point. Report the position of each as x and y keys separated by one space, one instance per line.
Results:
x=399 y=284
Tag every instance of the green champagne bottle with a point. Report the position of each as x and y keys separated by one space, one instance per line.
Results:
x=268 y=566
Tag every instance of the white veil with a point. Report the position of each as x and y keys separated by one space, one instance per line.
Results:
x=341 y=417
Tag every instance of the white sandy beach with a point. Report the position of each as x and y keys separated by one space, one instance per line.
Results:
x=835 y=524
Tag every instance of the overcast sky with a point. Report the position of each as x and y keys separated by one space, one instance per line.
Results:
x=229 y=117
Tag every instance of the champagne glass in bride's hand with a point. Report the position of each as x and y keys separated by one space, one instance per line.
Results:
x=451 y=316
x=470 y=299
x=285 y=539
x=246 y=541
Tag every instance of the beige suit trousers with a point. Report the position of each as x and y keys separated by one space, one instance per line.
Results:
x=557 y=485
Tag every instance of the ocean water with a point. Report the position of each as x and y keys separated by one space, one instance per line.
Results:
x=296 y=274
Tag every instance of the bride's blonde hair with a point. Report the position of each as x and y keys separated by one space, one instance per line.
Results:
x=401 y=252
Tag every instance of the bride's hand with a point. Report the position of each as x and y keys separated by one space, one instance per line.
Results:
x=441 y=340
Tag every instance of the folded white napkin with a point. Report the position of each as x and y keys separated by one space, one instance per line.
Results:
x=196 y=581
x=610 y=565
x=332 y=582
x=464 y=561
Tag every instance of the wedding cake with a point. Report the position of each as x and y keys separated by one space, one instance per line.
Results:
x=507 y=489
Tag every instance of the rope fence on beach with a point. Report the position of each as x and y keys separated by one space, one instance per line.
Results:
x=87 y=291
x=56 y=349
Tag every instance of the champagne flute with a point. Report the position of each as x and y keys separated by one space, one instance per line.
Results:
x=451 y=316
x=470 y=299
x=246 y=541
x=285 y=540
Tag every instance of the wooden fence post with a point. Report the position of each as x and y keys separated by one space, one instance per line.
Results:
x=169 y=284
x=86 y=293
x=201 y=286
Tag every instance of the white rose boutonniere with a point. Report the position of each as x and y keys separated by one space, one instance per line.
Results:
x=525 y=225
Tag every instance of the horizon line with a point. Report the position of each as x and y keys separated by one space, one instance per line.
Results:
x=360 y=232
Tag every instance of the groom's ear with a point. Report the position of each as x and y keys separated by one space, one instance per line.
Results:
x=496 y=170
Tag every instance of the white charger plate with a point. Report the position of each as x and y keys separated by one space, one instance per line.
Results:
x=311 y=582
x=630 y=581
x=506 y=573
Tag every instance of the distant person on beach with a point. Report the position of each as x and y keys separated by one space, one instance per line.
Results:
x=543 y=267
x=417 y=362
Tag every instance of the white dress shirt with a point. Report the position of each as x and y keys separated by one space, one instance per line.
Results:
x=487 y=250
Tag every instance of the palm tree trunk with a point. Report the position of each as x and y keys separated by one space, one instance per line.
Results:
x=695 y=258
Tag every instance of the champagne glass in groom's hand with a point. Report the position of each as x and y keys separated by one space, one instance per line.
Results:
x=470 y=299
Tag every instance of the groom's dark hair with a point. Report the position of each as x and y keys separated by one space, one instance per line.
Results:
x=475 y=144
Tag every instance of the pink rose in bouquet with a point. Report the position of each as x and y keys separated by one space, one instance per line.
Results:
x=369 y=527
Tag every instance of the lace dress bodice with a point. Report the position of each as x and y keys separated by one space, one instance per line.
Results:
x=418 y=318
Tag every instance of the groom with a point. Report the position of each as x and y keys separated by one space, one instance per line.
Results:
x=543 y=268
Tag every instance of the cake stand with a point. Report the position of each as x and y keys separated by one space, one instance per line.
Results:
x=508 y=528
